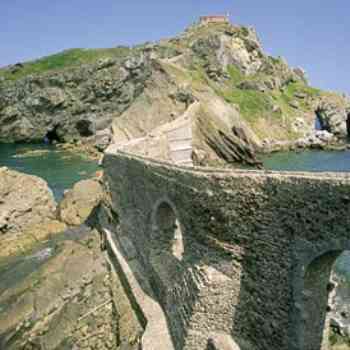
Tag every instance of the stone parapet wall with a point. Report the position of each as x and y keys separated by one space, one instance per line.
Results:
x=226 y=252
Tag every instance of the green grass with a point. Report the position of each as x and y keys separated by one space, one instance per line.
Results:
x=288 y=95
x=252 y=103
x=198 y=75
x=338 y=342
x=235 y=74
x=237 y=77
x=62 y=60
x=299 y=87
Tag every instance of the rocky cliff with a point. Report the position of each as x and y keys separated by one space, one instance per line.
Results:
x=249 y=101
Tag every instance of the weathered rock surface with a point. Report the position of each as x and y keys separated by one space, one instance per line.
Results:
x=319 y=139
x=59 y=293
x=70 y=104
x=79 y=202
x=334 y=115
x=25 y=201
x=27 y=211
x=69 y=300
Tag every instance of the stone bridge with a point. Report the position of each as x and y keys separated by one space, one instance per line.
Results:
x=222 y=259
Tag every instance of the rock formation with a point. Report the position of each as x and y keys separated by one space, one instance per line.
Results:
x=68 y=299
x=339 y=304
x=249 y=101
x=75 y=103
x=79 y=202
x=333 y=116
x=57 y=293
x=25 y=201
x=27 y=211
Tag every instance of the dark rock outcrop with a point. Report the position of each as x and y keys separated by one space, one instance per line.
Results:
x=70 y=104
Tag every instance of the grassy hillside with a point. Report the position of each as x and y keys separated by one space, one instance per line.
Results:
x=62 y=60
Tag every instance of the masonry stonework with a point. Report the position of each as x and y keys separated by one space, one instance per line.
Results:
x=238 y=255
x=213 y=19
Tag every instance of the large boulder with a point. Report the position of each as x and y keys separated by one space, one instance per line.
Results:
x=79 y=202
x=25 y=201
x=27 y=211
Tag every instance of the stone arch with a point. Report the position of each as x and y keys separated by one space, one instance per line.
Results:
x=168 y=264
x=53 y=135
x=348 y=124
x=319 y=122
x=315 y=301
x=311 y=291
x=167 y=234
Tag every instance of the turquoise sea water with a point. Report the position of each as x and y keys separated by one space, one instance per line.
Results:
x=315 y=161
x=61 y=169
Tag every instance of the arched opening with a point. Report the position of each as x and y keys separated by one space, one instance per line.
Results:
x=85 y=128
x=348 y=125
x=315 y=297
x=167 y=231
x=167 y=245
x=319 y=125
x=339 y=303
x=321 y=302
x=52 y=135
x=168 y=265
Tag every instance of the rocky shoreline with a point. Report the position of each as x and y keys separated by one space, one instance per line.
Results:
x=249 y=102
x=318 y=140
x=231 y=102
x=58 y=291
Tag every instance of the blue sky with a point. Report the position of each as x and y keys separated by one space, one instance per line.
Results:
x=313 y=34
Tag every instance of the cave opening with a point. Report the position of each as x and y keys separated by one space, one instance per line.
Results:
x=52 y=136
x=318 y=122
x=85 y=128
x=324 y=306
x=348 y=124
